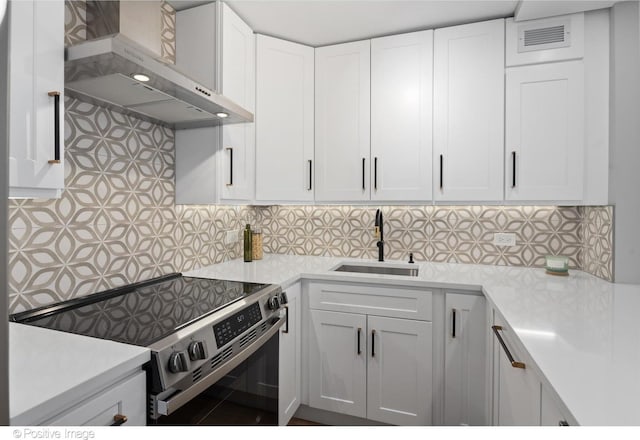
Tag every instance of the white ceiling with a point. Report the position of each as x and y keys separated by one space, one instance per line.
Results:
x=324 y=22
x=319 y=23
x=531 y=9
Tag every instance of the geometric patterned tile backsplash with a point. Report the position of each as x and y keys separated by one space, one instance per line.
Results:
x=597 y=256
x=168 y=33
x=117 y=222
x=75 y=21
x=454 y=234
x=75 y=24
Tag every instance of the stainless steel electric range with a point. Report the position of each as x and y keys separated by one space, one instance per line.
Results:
x=214 y=343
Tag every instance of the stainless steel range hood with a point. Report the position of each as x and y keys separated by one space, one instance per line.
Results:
x=101 y=71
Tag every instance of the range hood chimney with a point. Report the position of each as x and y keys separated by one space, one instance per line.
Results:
x=121 y=51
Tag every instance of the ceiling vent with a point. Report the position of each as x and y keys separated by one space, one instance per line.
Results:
x=550 y=35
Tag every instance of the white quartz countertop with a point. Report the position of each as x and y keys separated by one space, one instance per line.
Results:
x=582 y=333
x=51 y=370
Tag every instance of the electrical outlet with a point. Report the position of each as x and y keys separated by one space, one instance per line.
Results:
x=504 y=239
x=231 y=237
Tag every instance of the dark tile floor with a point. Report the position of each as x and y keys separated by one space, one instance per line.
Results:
x=301 y=422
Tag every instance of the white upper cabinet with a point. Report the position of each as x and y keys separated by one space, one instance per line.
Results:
x=545 y=132
x=196 y=180
x=196 y=43
x=469 y=112
x=284 y=120
x=238 y=84
x=36 y=99
x=342 y=117
x=401 y=116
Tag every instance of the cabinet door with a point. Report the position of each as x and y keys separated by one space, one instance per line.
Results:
x=36 y=60
x=196 y=148
x=545 y=132
x=518 y=389
x=290 y=358
x=196 y=48
x=127 y=398
x=284 y=120
x=469 y=112
x=338 y=362
x=401 y=122
x=465 y=361
x=342 y=122
x=550 y=412
x=399 y=371
x=238 y=84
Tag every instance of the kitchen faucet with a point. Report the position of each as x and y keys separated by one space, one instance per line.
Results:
x=380 y=234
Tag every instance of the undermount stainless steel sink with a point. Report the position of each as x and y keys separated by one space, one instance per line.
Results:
x=383 y=270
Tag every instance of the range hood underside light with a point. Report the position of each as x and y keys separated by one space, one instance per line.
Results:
x=140 y=77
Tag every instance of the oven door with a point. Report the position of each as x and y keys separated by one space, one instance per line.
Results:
x=243 y=391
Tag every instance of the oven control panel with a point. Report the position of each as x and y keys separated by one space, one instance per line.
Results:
x=227 y=330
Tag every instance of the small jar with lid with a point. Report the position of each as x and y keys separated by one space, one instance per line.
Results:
x=256 y=243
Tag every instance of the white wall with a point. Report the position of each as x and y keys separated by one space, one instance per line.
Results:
x=624 y=153
x=4 y=183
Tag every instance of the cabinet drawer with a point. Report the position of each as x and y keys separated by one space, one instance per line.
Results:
x=392 y=301
x=126 y=398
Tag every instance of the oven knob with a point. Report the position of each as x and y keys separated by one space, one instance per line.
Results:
x=196 y=351
x=178 y=362
x=273 y=303
x=283 y=298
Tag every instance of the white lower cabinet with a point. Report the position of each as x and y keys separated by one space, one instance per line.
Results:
x=551 y=413
x=338 y=362
x=121 y=404
x=289 y=389
x=368 y=366
x=399 y=371
x=516 y=386
x=465 y=369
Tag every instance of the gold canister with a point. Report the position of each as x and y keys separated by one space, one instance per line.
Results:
x=256 y=238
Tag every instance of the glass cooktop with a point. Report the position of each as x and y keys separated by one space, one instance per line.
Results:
x=142 y=313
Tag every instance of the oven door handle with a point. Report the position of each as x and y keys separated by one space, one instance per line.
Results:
x=168 y=406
